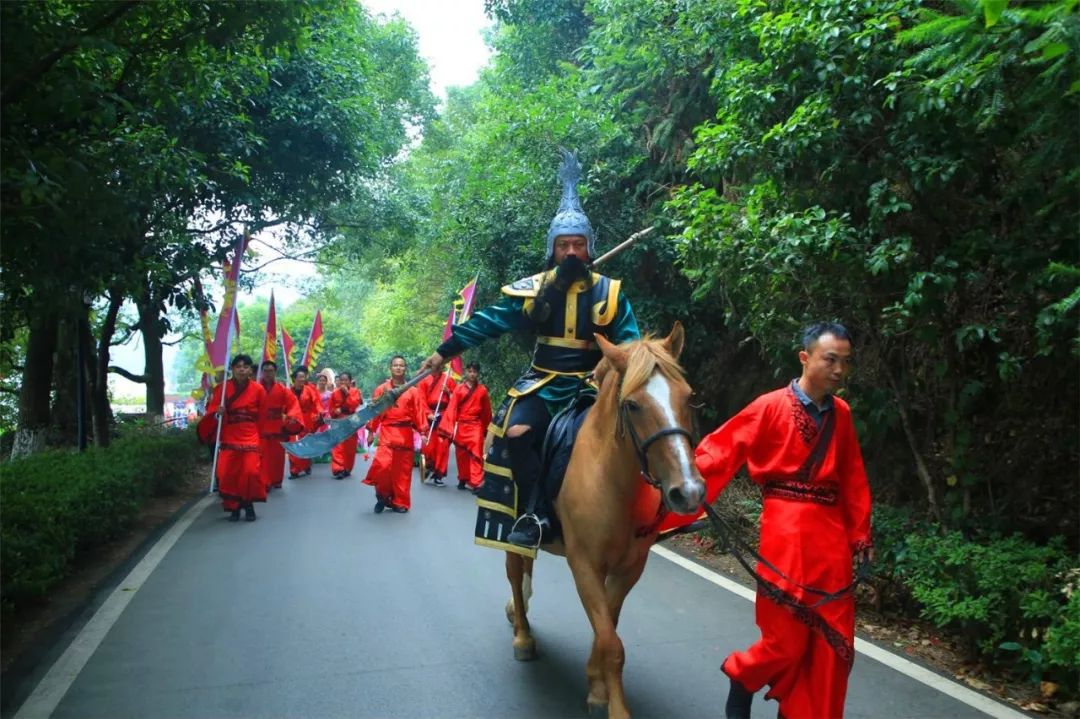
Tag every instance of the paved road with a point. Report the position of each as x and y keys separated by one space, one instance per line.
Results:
x=325 y=609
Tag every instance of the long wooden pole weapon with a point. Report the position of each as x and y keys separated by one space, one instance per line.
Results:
x=623 y=245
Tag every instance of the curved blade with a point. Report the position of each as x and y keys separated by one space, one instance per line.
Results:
x=319 y=443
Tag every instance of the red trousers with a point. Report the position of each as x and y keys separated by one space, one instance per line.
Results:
x=238 y=478
x=469 y=446
x=437 y=451
x=343 y=456
x=804 y=673
x=391 y=475
x=272 y=463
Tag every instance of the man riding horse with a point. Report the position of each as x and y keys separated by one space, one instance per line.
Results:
x=565 y=306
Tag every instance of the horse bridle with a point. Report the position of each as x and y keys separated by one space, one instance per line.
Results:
x=642 y=448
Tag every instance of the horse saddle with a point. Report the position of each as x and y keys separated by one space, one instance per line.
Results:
x=559 y=440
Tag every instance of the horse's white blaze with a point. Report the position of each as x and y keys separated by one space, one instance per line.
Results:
x=660 y=392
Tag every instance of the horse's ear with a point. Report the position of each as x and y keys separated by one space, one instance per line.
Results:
x=612 y=352
x=674 y=341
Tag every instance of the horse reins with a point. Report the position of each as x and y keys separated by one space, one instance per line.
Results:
x=641 y=448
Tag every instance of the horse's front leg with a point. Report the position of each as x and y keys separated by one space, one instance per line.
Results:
x=616 y=587
x=606 y=648
x=519 y=572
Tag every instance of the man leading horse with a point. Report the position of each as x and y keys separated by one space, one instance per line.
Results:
x=565 y=306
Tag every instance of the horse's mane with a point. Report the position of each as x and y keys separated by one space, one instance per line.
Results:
x=642 y=358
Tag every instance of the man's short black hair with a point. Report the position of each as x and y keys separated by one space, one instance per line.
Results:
x=298 y=369
x=246 y=359
x=268 y=363
x=345 y=374
x=473 y=365
x=812 y=333
x=400 y=357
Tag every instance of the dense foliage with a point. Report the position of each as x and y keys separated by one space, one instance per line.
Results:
x=58 y=505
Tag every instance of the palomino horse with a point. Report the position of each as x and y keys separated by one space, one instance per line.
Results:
x=605 y=538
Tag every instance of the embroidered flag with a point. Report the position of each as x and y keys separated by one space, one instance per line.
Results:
x=269 y=353
x=314 y=346
x=222 y=342
x=288 y=351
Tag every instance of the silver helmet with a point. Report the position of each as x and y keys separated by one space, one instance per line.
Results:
x=570 y=218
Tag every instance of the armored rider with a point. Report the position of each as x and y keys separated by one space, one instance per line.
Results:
x=565 y=306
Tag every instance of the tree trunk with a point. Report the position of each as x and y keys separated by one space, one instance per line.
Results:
x=36 y=386
x=64 y=421
x=150 y=327
x=99 y=382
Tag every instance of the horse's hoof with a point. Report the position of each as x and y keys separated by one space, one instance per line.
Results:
x=597 y=710
x=525 y=652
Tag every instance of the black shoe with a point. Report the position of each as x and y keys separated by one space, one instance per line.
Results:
x=339 y=475
x=307 y=472
x=528 y=531
x=461 y=484
x=249 y=513
x=234 y=516
x=738 y=702
x=437 y=481
x=379 y=506
x=293 y=475
x=400 y=510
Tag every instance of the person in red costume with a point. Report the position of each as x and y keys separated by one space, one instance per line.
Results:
x=800 y=447
x=238 y=480
x=465 y=422
x=311 y=412
x=279 y=418
x=344 y=400
x=391 y=470
x=436 y=391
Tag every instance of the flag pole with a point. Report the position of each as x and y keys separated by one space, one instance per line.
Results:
x=221 y=417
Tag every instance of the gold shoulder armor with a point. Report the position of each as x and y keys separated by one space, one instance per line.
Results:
x=525 y=287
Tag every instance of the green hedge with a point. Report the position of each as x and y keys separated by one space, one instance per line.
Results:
x=58 y=503
x=1014 y=602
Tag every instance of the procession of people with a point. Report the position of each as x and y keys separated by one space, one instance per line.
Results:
x=797 y=442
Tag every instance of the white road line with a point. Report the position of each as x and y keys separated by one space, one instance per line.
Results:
x=906 y=667
x=52 y=688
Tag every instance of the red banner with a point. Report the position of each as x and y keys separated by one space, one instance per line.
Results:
x=269 y=353
x=314 y=344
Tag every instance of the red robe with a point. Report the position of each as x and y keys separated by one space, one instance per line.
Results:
x=238 y=477
x=816 y=514
x=344 y=402
x=311 y=412
x=465 y=423
x=437 y=396
x=279 y=418
x=391 y=470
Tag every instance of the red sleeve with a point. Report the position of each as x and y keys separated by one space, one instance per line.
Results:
x=724 y=450
x=854 y=487
x=356 y=398
x=293 y=417
x=485 y=407
x=451 y=411
x=419 y=411
x=207 y=427
x=375 y=422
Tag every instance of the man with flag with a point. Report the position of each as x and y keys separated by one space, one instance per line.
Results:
x=279 y=419
x=236 y=403
x=436 y=391
x=464 y=423
x=344 y=400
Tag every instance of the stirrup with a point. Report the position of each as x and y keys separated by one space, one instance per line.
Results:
x=532 y=516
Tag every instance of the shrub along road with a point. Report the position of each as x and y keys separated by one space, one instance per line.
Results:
x=322 y=608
